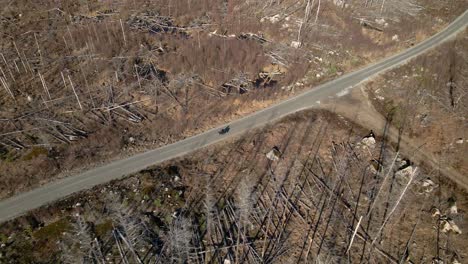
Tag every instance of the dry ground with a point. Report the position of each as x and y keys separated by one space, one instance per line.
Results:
x=230 y=202
x=85 y=82
x=427 y=101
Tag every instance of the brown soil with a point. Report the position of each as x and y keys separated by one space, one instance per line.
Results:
x=160 y=73
x=283 y=202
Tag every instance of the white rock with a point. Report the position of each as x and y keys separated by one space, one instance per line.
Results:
x=226 y=261
x=450 y=226
x=29 y=98
x=273 y=155
x=272 y=19
x=368 y=142
x=380 y=21
x=406 y=172
x=427 y=183
x=295 y=44
x=395 y=38
x=435 y=212
x=275 y=18
x=339 y=3
x=455 y=260
x=459 y=141
x=453 y=209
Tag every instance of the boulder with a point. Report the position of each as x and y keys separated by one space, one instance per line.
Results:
x=435 y=211
x=296 y=44
x=448 y=225
x=406 y=172
x=427 y=185
x=274 y=154
x=368 y=142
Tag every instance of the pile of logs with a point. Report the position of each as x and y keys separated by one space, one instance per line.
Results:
x=99 y=17
x=240 y=84
x=251 y=36
x=152 y=22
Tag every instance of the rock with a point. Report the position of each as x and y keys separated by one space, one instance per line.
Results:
x=272 y=19
x=380 y=21
x=402 y=163
x=226 y=261
x=369 y=140
x=455 y=259
x=452 y=203
x=448 y=225
x=274 y=154
x=459 y=141
x=395 y=38
x=427 y=185
x=453 y=210
x=340 y=3
x=296 y=44
x=427 y=182
x=435 y=211
x=406 y=172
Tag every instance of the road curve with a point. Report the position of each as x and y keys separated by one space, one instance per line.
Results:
x=24 y=202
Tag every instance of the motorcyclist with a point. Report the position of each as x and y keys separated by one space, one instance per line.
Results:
x=224 y=130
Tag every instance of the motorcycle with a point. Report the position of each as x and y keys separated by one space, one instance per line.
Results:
x=224 y=130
